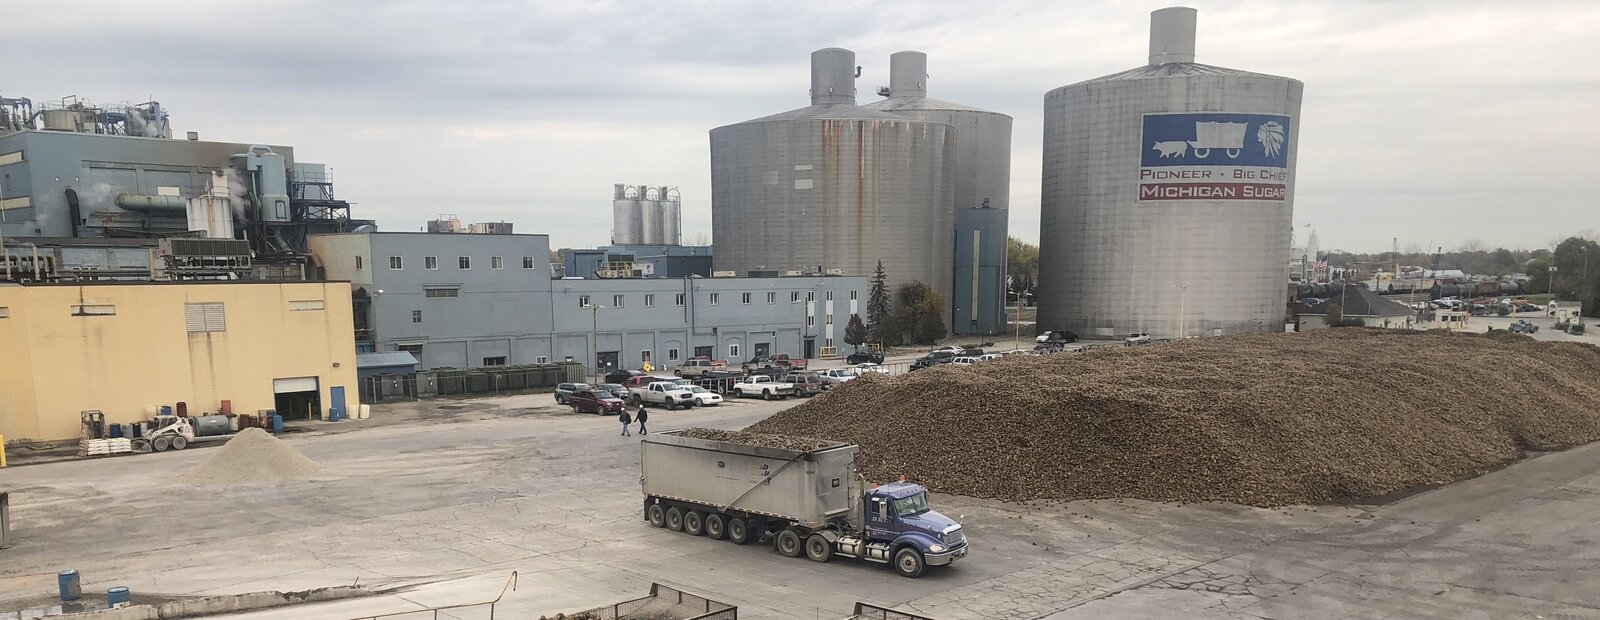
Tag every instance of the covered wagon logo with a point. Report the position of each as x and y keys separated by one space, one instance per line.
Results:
x=1214 y=156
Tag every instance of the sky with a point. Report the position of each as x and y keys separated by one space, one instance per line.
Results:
x=1436 y=123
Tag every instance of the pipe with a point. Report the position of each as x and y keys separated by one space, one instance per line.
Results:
x=146 y=202
x=73 y=211
x=833 y=76
x=1172 y=35
x=908 y=74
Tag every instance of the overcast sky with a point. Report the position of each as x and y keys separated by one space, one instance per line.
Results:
x=1434 y=122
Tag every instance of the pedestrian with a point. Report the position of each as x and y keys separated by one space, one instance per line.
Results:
x=623 y=417
x=641 y=417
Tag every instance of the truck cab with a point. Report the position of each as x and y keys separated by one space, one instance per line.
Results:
x=897 y=515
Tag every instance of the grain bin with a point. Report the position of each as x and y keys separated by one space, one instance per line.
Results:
x=835 y=185
x=1168 y=195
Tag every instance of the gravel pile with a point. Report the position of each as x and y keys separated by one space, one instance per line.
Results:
x=253 y=455
x=1326 y=416
x=760 y=440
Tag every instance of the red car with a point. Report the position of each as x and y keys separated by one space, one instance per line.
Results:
x=588 y=401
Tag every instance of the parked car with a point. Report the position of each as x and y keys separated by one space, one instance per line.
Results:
x=595 y=401
x=867 y=367
x=639 y=382
x=616 y=389
x=764 y=386
x=864 y=357
x=1057 y=336
x=989 y=357
x=564 y=391
x=948 y=349
x=664 y=393
x=622 y=376
x=704 y=397
x=696 y=366
x=833 y=377
x=1137 y=338
x=963 y=360
x=782 y=360
x=805 y=383
x=759 y=361
x=933 y=359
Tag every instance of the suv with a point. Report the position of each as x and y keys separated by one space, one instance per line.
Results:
x=1056 y=336
x=806 y=383
x=1137 y=338
x=864 y=357
x=594 y=401
x=835 y=376
x=564 y=391
x=615 y=389
x=665 y=393
x=622 y=376
x=933 y=359
x=963 y=360
x=696 y=366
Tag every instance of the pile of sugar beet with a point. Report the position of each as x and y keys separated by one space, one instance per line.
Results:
x=1268 y=419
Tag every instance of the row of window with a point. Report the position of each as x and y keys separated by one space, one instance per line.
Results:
x=197 y=317
x=431 y=263
x=716 y=299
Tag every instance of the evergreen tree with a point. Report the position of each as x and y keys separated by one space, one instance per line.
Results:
x=855 y=332
x=878 y=307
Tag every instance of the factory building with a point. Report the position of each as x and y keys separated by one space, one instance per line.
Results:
x=125 y=348
x=660 y=261
x=834 y=187
x=473 y=300
x=1168 y=195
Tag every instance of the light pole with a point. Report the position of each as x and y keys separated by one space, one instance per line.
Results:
x=1183 y=298
x=1550 y=287
x=594 y=338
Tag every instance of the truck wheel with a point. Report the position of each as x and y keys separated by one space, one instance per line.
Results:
x=672 y=405
x=908 y=562
x=818 y=549
x=788 y=543
x=738 y=531
x=766 y=394
x=694 y=523
x=161 y=443
x=716 y=526
x=179 y=443
x=657 y=515
x=675 y=519
x=738 y=393
x=638 y=400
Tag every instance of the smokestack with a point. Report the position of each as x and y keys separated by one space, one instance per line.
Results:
x=1172 y=35
x=833 y=76
x=908 y=74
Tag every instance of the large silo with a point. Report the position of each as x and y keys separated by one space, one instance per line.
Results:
x=1168 y=195
x=835 y=185
x=625 y=215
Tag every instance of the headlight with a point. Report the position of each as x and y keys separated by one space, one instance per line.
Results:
x=935 y=548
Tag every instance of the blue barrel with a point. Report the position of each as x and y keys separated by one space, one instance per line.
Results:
x=116 y=431
x=277 y=424
x=166 y=410
x=71 y=589
x=118 y=597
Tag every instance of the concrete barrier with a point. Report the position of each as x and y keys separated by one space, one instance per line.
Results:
x=132 y=612
x=211 y=605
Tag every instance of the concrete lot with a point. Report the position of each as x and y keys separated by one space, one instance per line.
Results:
x=444 y=500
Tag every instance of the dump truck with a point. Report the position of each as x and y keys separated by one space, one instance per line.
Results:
x=807 y=502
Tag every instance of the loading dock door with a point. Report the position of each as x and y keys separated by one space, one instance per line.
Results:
x=297 y=384
x=297 y=398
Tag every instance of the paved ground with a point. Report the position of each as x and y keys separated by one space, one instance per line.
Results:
x=447 y=503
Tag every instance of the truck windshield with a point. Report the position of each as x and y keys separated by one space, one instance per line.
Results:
x=911 y=506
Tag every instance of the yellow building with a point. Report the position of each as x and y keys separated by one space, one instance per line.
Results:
x=122 y=348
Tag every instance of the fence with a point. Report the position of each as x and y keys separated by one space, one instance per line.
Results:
x=668 y=602
x=433 y=612
x=868 y=611
x=489 y=381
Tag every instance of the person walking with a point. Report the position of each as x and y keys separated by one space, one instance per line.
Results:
x=641 y=417
x=623 y=417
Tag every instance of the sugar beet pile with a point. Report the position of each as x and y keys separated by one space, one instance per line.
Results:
x=1266 y=420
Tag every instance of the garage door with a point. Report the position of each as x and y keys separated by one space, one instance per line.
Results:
x=297 y=384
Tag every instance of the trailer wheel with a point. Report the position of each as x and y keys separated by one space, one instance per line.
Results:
x=716 y=526
x=818 y=549
x=908 y=562
x=657 y=515
x=788 y=543
x=694 y=523
x=161 y=443
x=738 y=531
x=675 y=519
x=179 y=443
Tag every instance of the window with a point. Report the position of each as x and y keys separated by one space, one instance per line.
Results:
x=704 y=351
x=811 y=295
x=644 y=357
x=441 y=292
x=616 y=301
x=583 y=301
x=794 y=297
x=672 y=354
x=396 y=263
x=744 y=299
x=830 y=296
x=430 y=263
x=649 y=300
x=497 y=262
x=305 y=305
x=5 y=313
x=733 y=351
x=679 y=300
x=772 y=297
x=416 y=316
x=852 y=295
x=464 y=262
x=94 y=310
x=359 y=266
x=527 y=262
x=499 y=360
x=716 y=297
x=542 y=359
x=205 y=317
x=830 y=318
x=828 y=343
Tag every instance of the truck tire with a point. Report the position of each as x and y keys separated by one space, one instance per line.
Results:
x=179 y=443
x=908 y=562
x=675 y=519
x=161 y=443
x=716 y=526
x=637 y=400
x=694 y=523
x=672 y=405
x=766 y=394
x=818 y=549
x=738 y=531
x=738 y=393
x=788 y=543
x=656 y=515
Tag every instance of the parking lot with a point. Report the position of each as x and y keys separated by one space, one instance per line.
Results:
x=445 y=499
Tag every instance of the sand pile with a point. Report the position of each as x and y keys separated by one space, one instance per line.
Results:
x=1274 y=419
x=253 y=455
x=763 y=440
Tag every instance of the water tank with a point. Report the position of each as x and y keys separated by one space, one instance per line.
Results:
x=983 y=138
x=624 y=215
x=835 y=185
x=649 y=216
x=1168 y=195
x=671 y=217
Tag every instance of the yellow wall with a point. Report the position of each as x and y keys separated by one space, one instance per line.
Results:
x=56 y=364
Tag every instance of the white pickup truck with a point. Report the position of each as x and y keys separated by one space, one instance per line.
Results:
x=763 y=386
x=668 y=394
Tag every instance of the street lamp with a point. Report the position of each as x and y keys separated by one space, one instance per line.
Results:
x=1183 y=298
x=594 y=338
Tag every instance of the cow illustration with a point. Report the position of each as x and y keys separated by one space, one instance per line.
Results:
x=1172 y=148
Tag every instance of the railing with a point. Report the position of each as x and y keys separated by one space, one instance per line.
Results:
x=682 y=601
x=868 y=611
x=511 y=585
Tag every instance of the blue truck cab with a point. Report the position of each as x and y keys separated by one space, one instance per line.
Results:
x=898 y=513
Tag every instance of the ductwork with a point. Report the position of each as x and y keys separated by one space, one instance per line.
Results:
x=1172 y=35
x=146 y=202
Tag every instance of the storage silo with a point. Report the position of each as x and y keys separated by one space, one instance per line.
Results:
x=835 y=185
x=625 y=215
x=649 y=216
x=1168 y=196
x=671 y=216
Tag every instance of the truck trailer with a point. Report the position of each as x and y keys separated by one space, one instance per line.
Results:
x=811 y=502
